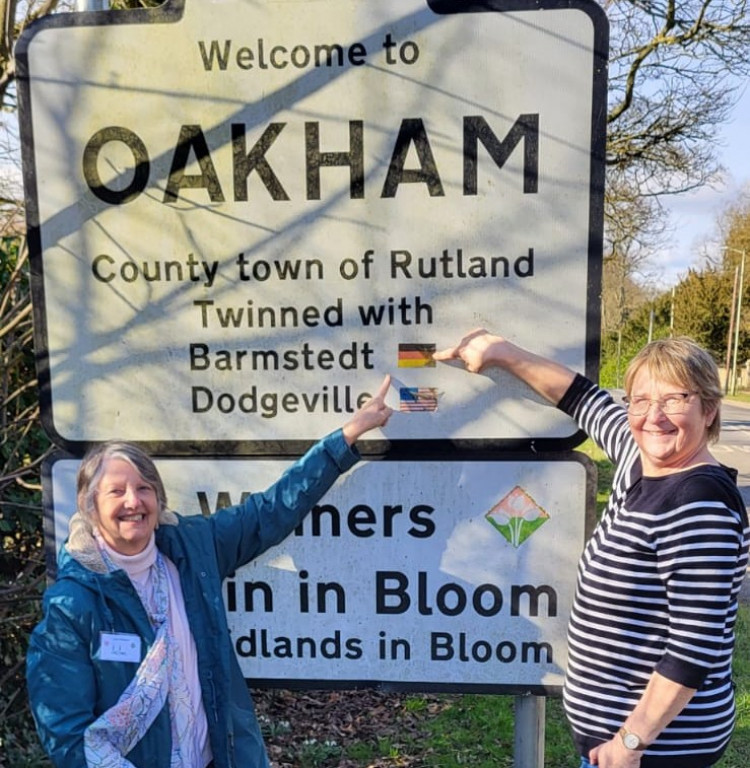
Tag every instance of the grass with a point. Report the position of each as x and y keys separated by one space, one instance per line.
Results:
x=737 y=753
x=478 y=731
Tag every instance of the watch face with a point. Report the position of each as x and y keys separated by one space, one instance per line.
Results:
x=631 y=741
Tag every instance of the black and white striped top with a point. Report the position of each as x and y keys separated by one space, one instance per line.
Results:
x=657 y=589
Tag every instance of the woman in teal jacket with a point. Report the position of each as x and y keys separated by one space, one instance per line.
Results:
x=132 y=663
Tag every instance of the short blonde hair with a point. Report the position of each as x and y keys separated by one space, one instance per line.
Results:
x=682 y=361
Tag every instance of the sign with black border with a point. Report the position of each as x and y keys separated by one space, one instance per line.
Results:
x=415 y=575
x=241 y=215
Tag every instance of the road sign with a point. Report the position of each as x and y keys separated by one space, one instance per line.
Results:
x=425 y=575
x=243 y=214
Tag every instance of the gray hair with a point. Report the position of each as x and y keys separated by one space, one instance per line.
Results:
x=92 y=468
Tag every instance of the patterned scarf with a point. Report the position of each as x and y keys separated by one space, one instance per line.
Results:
x=159 y=679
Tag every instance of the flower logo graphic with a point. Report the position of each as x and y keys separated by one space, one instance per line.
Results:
x=517 y=516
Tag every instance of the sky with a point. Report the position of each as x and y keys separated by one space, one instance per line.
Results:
x=693 y=216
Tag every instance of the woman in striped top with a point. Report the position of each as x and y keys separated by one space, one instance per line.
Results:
x=651 y=632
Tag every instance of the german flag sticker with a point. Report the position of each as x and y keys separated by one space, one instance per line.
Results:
x=415 y=399
x=416 y=355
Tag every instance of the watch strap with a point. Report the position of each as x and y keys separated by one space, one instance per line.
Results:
x=631 y=740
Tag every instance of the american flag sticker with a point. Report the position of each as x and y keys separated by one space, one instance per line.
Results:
x=416 y=355
x=418 y=399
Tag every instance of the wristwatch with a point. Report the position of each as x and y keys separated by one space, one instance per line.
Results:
x=631 y=740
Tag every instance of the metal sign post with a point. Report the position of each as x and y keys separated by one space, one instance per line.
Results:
x=530 y=724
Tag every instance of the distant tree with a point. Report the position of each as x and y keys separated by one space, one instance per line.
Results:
x=675 y=70
x=703 y=304
x=675 y=73
x=735 y=231
x=702 y=307
x=735 y=236
x=631 y=233
x=650 y=320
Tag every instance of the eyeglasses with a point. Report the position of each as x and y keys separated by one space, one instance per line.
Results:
x=669 y=405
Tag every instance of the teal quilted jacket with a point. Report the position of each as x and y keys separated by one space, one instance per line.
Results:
x=69 y=686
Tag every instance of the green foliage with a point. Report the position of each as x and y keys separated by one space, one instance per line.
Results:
x=739 y=747
x=475 y=730
x=479 y=731
x=604 y=471
x=699 y=307
x=649 y=321
x=316 y=754
x=366 y=753
x=617 y=350
x=702 y=308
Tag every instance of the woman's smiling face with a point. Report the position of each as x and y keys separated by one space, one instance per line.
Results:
x=669 y=442
x=126 y=506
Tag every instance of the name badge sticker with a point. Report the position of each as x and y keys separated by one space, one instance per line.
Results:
x=119 y=646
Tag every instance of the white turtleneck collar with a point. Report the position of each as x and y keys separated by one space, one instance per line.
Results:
x=136 y=566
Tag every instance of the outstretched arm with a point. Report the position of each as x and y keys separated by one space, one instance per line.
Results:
x=480 y=349
x=263 y=519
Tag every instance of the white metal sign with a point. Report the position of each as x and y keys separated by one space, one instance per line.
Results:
x=243 y=214
x=439 y=575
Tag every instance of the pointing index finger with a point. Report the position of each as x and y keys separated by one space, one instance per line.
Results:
x=384 y=387
x=445 y=354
